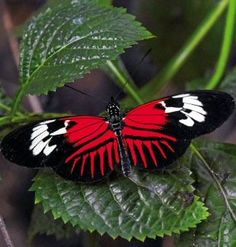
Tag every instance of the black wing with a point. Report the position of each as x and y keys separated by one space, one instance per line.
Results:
x=159 y=132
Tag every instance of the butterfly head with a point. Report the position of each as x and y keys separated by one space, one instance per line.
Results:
x=113 y=109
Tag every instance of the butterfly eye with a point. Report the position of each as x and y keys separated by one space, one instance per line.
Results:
x=108 y=109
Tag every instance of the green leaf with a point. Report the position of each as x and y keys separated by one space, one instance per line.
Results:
x=149 y=205
x=54 y=3
x=229 y=83
x=44 y=223
x=64 y=43
x=197 y=84
x=19 y=29
x=103 y=2
x=220 y=228
x=5 y=101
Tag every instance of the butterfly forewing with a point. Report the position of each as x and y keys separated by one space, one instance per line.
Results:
x=79 y=148
x=159 y=132
x=35 y=145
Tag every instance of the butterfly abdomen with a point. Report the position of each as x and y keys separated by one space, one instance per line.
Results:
x=124 y=156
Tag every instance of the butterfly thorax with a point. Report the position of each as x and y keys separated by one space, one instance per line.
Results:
x=114 y=116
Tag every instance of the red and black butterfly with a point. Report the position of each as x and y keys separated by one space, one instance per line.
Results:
x=89 y=148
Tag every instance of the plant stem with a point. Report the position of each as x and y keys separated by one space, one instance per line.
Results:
x=18 y=98
x=183 y=54
x=122 y=79
x=26 y=118
x=215 y=179
x=8 y=109
x=5 y=234
x=226 y=45
x=5 y=107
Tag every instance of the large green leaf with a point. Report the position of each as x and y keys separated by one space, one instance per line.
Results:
x=220 y=228
x=64 y=43
x=149 y=205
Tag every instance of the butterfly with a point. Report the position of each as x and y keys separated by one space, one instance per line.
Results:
x=150 y=136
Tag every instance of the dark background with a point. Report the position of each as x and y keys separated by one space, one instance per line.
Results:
x=173 y=22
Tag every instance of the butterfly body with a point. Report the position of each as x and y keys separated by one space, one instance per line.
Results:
x=89 y=148
x=115 y=118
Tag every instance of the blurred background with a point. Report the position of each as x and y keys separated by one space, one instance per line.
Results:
x=173 y=22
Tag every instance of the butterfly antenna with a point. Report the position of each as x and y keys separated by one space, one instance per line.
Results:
x=84 y=93
x=136 y=68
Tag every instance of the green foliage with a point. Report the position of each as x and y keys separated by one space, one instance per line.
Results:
x=229 y=83
x=220 y=228
x=180 y=26
x=5 y=108
x=147 y=205
x=103 y=2
x=4 y=99
x=181 y=19
x=197 y=84
x=43 y=223
x=64 y=43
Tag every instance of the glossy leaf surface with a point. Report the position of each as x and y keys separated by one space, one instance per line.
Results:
x=66 y=42
x=149 y=205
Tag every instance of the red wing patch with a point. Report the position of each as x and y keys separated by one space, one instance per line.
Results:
x=94 y=147
x=149 y=146
x=146 y=116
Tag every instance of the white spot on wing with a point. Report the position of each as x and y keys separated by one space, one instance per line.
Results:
x=170 y=109
x=180 y=95
x=197 y=116
x=58 y=132
x=48 y=121
x=37 y=127
x=38 y=139
x=48 y=149
x=40 y=132
x=39 y=147
x=193 y=100
x=194 y=108
x=62 y=130
x=188 y=122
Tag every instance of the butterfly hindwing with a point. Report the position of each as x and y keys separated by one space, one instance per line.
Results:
x=78 y=148
x=159 y=132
